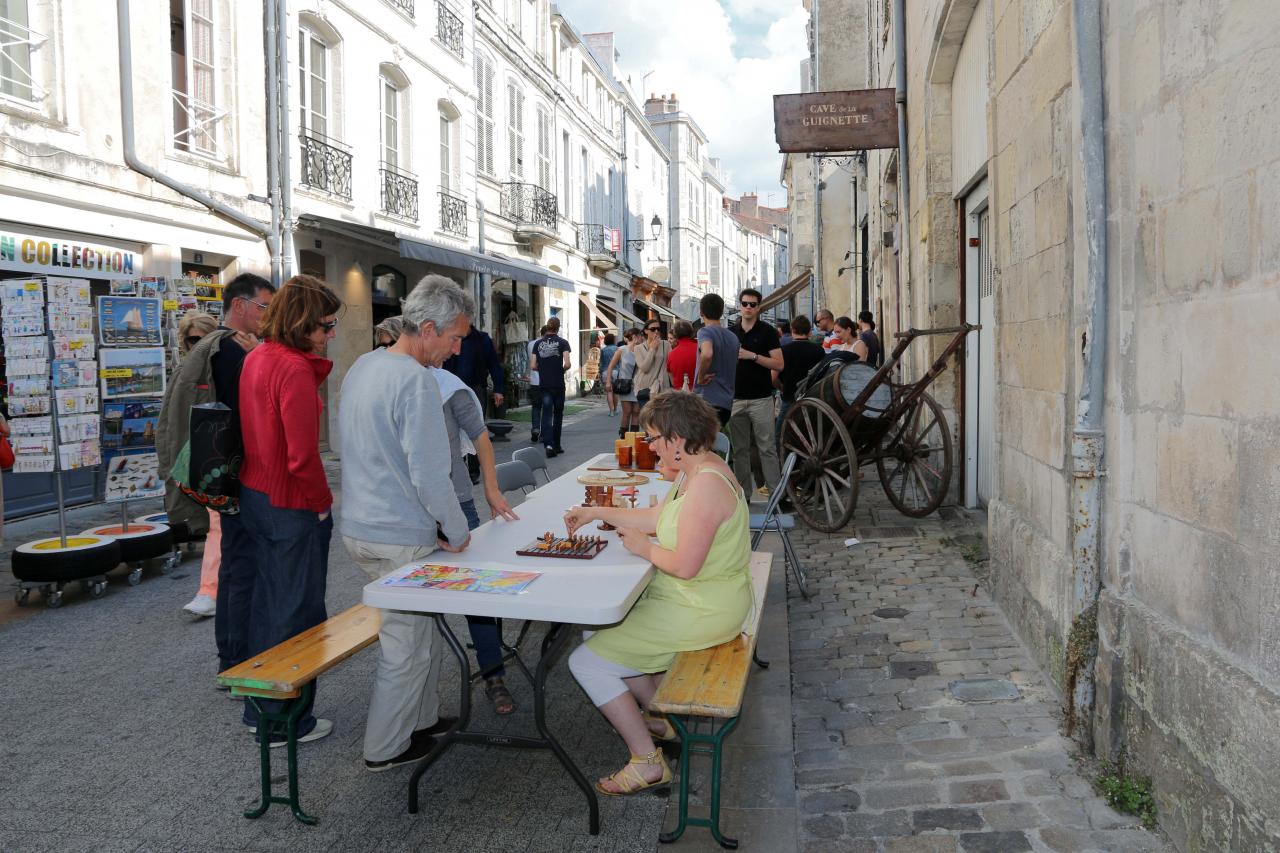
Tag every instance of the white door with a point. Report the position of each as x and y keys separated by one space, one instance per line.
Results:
x=979 y=350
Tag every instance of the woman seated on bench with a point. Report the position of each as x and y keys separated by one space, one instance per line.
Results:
x=698 y=599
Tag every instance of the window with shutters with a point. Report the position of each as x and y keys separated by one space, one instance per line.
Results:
x=446 y=153
x=313 y=72
x=515 y=130
x=714 y=263
x=195 y=111
x=544 y=148
x=484 y=113
x=390 y=122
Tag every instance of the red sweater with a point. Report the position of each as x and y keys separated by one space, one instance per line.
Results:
x=280 y=411
x=682 y=363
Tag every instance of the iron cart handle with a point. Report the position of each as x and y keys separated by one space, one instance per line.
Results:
x=945 y=330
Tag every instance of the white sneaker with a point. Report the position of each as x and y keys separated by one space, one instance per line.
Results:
x=201 y=606
x=323 y=729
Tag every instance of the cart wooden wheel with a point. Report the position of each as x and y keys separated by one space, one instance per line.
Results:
x=915 y=459
x=824 y=485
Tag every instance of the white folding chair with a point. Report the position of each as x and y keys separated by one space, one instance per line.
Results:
x=535 y=458
x=773 y=521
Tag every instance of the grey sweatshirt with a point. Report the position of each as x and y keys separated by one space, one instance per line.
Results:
x=395 y=455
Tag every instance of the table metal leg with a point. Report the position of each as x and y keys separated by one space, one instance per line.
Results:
x=557 y=638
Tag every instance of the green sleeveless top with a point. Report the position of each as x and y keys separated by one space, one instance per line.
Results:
x=674 y=615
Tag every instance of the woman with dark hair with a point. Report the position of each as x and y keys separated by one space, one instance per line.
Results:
x=682 y=363
x=284 y=495
x=622 y=368
x=847 y=332
x=699 y=597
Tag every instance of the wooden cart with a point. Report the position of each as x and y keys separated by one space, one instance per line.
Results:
x=850 y=415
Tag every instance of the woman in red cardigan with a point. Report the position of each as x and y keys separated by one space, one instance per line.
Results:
x=284 y=496
x=682 y=363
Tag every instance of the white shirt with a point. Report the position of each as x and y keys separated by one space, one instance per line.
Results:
x=533 y=374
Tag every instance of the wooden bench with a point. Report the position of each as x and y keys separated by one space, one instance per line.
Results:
x=288 y=672
x=709 y=684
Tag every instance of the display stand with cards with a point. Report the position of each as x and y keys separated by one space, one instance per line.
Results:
x=54 y=424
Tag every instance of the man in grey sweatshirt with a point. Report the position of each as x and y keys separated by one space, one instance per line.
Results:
x=395 y=491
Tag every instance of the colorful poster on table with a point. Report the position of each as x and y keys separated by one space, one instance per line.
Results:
x=132 y=372
x=458 y=579
x=129 y=321
x=133 y=474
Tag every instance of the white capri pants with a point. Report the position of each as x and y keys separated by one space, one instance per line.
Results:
x=600 y=678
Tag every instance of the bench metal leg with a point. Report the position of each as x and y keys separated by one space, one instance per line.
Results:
x=793 y=561
x=276 y=723
x=698 y=743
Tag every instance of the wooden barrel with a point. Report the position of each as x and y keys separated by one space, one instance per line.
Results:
x=842 y=386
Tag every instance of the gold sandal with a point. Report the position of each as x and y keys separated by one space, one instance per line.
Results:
x=668 y=733
x=629 y=780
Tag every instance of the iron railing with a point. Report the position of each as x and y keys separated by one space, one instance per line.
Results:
x=326 y=164
x=595 y=240
x=453 y=214
x=405 y=6
x=195 y=125
x=530 y=204
x=399 y=192
x=449 y=28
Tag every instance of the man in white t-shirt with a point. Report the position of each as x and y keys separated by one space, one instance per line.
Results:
x=535 y=396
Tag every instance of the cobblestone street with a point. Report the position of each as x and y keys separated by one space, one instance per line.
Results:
x=920 y=722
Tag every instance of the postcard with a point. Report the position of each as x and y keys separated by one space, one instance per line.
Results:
x=27 y=367
x=129 y=321
x=68 y=373
x=133 y=474
x=26 y=348
x=79 y=428
x=23 y=322
x=131 y=424
x=33 y=464
x=28 y=386
x=68 y=291
x=457 y=579
x=31 y=426
x=76 y=401
x=32 y=445
x=22 y=406
x=70 y=318
x=79 y=454
x=22 y=292
x=124 y=287
x=132 y=372
x=74 y=345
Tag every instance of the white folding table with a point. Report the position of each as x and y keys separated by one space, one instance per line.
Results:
x=569 y=592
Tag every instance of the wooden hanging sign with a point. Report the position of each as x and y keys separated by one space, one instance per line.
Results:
x=853 y=120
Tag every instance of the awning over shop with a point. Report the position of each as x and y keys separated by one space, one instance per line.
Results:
x=664 y=311
x=601 y=321
x=624 y=316
x=788 y=290
x=464 y=259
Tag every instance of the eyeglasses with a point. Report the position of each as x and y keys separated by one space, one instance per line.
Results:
x=650 y=439
x=261 y=305
x=328 y=327
x=749 y=304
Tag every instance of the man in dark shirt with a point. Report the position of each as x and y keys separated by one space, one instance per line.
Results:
x=800 y=356
x=244 y=300
x=551 y=359
x=476 y=362
x=871 y=340
x=751 y=423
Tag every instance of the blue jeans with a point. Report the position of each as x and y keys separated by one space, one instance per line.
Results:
x=291 y=548
x=552 y=415
x=535 y=410
x=236 y=577
x=484 y=629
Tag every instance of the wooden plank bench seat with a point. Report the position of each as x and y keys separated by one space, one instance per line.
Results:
x=710 y=684
x=288 y=672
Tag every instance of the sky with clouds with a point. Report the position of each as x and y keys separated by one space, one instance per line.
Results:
x=724 y=58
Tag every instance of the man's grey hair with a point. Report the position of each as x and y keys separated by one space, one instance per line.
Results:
x=436 y=299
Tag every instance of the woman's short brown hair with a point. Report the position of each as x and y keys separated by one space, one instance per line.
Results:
x=682 y=414
x=295 y=312
x=683 y=329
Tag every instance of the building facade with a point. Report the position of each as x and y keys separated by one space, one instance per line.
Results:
x=1096 y=190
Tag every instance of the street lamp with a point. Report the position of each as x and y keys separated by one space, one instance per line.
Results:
x=655 y=227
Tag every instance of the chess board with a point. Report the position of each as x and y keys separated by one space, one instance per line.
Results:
x=564 y=548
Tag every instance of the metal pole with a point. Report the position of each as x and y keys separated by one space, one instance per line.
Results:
x=286 y=176
x=273 y=137
x=62 y=508
x=482 y=279
x=904 y=170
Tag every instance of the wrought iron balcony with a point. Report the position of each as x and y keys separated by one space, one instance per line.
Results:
x=399 y=192
x=449 y=28
x=405 y=6
x=596 y=242
x=533 y=209
x=326 y=164
x=453 y=214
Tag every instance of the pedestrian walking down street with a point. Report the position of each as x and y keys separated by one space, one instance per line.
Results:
x=752 y=422
x=799 y=356
x=682 y=363
x=401 y=505
x=476 y=363
x=551 y=359
x=717 y=359
x=606 y=358
x=285 y=502
x=620 y=380
x=535 y=393
x=651 y=363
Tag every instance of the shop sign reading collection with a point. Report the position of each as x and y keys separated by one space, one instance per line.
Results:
x=31 y=254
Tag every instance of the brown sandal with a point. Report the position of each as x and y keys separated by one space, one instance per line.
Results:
x=495 y=690
x=629 y=780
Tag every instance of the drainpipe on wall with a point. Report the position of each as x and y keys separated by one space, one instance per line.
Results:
x=273 y=137
x=286 y=176
x=1088 y=438
x=123 y=35
x=815 y=288
x=904 y=169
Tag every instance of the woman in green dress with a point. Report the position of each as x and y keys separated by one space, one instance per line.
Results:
x=698 y=598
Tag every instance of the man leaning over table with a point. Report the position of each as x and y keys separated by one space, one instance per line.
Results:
x=395 y=491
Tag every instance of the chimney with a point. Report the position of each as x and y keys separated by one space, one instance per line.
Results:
x=750 y=205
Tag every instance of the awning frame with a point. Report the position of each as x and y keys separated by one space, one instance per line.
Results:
x=661 y=309
x=595 y=312
x=788 y=290
x=485 y=264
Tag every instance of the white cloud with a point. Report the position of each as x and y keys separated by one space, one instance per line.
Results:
x=689 y=45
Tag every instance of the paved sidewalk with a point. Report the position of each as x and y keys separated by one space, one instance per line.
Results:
x=920 y=722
